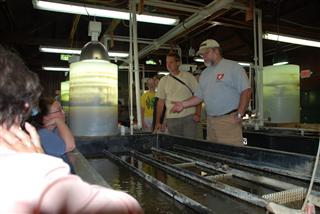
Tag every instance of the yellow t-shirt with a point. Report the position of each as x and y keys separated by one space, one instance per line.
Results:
x=147 y=103
x=170 y=90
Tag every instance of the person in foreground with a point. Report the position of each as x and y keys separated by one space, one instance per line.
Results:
x=30 y=181
x=225 y=89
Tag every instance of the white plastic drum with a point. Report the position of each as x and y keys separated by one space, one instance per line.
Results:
x=93 y=98
x=281 y=93
x=64 y=90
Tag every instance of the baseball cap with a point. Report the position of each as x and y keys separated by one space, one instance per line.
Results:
x=209 y=43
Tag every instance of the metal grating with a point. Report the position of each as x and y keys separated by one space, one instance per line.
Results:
x=287 y=196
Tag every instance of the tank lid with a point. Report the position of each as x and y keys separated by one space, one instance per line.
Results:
x=94 y=50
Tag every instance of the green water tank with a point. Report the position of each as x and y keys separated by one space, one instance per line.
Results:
x=281 y=93
x=93 y=98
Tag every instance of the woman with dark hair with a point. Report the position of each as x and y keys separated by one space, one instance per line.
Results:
x=19 y=92
x=32 y=182
x=55 y=135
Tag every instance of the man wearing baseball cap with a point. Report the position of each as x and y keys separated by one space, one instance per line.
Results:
x=225 y=89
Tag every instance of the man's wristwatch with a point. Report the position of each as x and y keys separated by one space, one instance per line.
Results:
x=239 y=115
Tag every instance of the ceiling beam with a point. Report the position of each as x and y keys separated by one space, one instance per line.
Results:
x=26 y=39
x=74 y=28
x=187 y=24
x=172 y=6
x=110 y=31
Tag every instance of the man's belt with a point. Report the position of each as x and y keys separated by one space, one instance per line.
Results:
x=230 y=112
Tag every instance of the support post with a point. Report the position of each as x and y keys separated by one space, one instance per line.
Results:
x=136 y=61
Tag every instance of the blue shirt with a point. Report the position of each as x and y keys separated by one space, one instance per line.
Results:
x=220 y=87
x=52 y=143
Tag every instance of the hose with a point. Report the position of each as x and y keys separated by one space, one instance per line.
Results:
x=312 y=178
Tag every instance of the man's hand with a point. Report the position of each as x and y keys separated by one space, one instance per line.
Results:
x=157 y=128
x=178 y=107
x=196 y=118
x=18 y=140
x=52 y=123
x=50 y=118
x=163 y=127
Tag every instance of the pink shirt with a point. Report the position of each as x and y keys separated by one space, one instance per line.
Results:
x=37 y=183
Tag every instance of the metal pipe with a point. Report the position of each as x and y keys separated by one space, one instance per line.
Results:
x=302 y=131
x=183 y=199
x=232 y=160
x=211 y=8
x=127 y=39
x=131 y=76
x=255 y=59
x=251 y=84
x=140 y=40
x=234 y=172
x=143 y=79
x=172 y=5
x=260 y=49
x=136 y=62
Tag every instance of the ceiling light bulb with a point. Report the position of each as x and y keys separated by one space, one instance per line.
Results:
x=292 y=40
x=98 y=11
x=61 y=50
x=47 y=68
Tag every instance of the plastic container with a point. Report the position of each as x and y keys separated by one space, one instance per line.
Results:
x=281 y=93
x=64 y=90
x=93 y=98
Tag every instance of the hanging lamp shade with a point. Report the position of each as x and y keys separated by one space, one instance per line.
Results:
x=94 y=50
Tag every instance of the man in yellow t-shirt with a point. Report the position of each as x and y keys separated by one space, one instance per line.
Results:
x=147 y=103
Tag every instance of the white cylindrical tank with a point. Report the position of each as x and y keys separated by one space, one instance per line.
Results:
x=93 y=98
x=64 y=91
x=281 y=93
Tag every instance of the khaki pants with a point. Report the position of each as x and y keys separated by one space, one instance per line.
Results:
x=224 y=129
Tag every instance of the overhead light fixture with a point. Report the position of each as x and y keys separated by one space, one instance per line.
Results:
x=280 y=63
x=47 y=49
x=292 y=40
x=47 y=68
x=60 y=50
x=244 y=64
x=163 y=72
x=118 y=54
x=197 y=59
x=99 y=11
